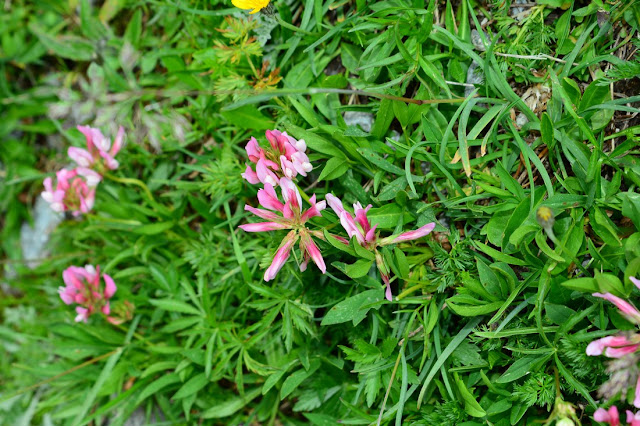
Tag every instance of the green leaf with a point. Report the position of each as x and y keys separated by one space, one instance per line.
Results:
x=230 y=406
x=546 y=130
x=383 y=119
x=472 y=311
x=192 y=386
x=351 y=309
x=248 y=117
x=585 y=285
x=520 y=368
x=358 y=269
x=173 y=305
x=294 y=380
x=471 y=405
x=333 y=169
x=69 y=47
x=157 y=385
x=388 y=216
x=338 y=244
x=631 y=207
x=153 y=228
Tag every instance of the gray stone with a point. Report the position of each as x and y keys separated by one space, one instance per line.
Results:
x=359 y=118
x=33 y=240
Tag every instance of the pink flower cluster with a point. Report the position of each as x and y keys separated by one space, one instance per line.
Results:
x=278 y=166
x=75 y=189
x=100 y=153
x=88 y=289
x=366 y=236
x=612 y=417
x=289 y=216
x=621 y=345
x=285 y=158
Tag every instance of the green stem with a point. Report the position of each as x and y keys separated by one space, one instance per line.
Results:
x=132 y=181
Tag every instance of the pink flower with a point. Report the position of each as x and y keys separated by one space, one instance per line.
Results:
x=635 y=281
x=284 y=158
x=627 y=309
x=100 y=152
x=287 y=215
x=410 y=235
x=83 y=287
x=636 y=399
x=250 y=176
x=359 y=226
x=633 y=419
x=281 y=256
x=611 y=416
x=74 y=190
x=612 y=346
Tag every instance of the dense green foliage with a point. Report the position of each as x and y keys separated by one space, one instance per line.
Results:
x=492 y=312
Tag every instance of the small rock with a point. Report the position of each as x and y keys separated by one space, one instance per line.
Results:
x=359 y=118
x=474 y=76
x=521 y=120
x=33 y=240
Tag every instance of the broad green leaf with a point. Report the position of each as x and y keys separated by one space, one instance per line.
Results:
x=351 y=309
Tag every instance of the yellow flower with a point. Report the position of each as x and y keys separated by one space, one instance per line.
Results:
x=256 y=5
x=545 y=217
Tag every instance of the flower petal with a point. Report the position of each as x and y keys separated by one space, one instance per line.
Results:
x=262 y=227
x=280 y=257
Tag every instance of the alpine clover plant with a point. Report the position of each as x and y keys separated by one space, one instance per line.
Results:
x=514 y=128
x=293 y=161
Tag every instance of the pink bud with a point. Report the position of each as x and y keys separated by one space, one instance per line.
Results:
x=636 y=400
x=315 y=208
x=281 y=256
x=288 y=168
x=408 y=236
x=268 y=198
x=611 y=416
x=83 y=314
x=253 y=150
x=361 y=216
x=262 y=227
x=109 y=286
x=371 y=234
x=635 y=281
x=118 y=142
x=626 y=308
x=620 y=352
x=308 y=246
x=290 y=193
x=633 y=419
x=335 y=204
x=301 y=163
x=350 y=226
x=263 y=214
x=81 y=156
x=265 y=175
x=109 y=161
x=250 y=176
x=272 y=137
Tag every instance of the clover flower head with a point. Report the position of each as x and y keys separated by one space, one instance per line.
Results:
x=100 y=152
x=87 y=288
x=358 y=225
x=285 y=157
x=287 y=215
x=74 y=190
